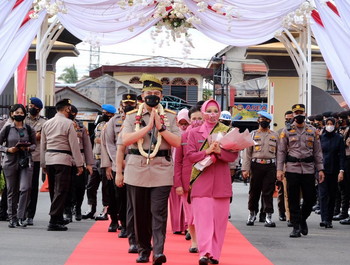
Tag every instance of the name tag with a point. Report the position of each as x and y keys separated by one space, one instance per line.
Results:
x=183 y=143
x=201 y=141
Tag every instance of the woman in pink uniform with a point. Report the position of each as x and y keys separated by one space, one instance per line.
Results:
x=211 y=188
x=182 y=174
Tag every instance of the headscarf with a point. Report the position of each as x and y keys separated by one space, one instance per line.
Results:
x=210 y=120
x=183 y=115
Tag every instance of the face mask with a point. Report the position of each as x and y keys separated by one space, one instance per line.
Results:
x=19 y=117
x=71 y=116
x=105 y=117
x=329 y=128
x=33 y=111
x=152 y=100
x=183 y=127
x=299 y=119
x=264 y=124
x=128 y=108
x=212 y=117
x=196 y=123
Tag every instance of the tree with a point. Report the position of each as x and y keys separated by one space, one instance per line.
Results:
x=207 y=93
x=69 y=75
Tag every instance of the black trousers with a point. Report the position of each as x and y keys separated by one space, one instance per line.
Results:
x=35 y=190
x=113 y=205
x=121 y=202
x=130 y=223
x=98 y=175
x=306 y=184
x=262 y=182
x=343 y=192
x=280 y=199
x=150 y=207
x=77 y=190
x=327 y=192
x=59 y=185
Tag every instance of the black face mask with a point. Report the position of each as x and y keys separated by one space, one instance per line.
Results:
x=33 y=111
x=152 y=100
x=71 y=116
x=128 y=108
x=105 y=117
x=299 y=119
x=19 y=117
x=264 y=124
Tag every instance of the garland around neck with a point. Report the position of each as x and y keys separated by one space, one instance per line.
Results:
x=137 y=128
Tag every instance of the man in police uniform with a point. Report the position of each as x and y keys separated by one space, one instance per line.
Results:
x=299 y=150
x=150 y=133
x=113 y=128
x=36 y=121
x=260 y=160
x=98 y=174
x=77 y=191
x=59 y=144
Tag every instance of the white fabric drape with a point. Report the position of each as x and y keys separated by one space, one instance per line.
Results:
x=5 y=7
x=344 y=10
x=337 y=32
x=12 y=23
x=18 y=48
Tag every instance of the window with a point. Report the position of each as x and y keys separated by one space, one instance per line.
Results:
x=135 y=80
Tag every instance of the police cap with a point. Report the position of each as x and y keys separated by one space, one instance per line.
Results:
x=129 y=98
x=297 y=107
x=150 y=82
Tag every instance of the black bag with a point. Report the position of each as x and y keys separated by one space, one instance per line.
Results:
x=24 y=159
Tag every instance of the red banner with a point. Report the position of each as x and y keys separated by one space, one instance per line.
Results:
x=22 y=81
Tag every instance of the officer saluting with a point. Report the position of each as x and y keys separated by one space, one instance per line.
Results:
x=59 y=144
x=150 y=132
x=300 y=149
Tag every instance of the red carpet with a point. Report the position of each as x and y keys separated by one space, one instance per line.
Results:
x=100 y=247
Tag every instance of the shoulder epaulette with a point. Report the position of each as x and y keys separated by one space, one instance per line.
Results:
x=170 y=111
x=43 y=117
x=131 y=111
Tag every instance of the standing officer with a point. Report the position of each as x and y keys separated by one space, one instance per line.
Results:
x=36 y=121
x=112 y=131
x=260 y=160
x=299 y=150
x=59 y=144
x=98 y=175
x=77 y=191
x=150 y=132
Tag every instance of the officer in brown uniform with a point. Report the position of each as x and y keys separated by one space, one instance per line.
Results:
x=113 y=128
x=299 y=150
x=36 y=121
x=59 y=144
x=260 y=160
x=150 y=132
x=98 y=174
x=77 y=191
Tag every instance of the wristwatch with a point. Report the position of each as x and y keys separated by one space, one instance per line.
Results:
x=162 y=129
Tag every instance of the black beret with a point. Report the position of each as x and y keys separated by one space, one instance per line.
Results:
x=319 y=117
x=343 y=114
x=327 y=114
x=311 y=118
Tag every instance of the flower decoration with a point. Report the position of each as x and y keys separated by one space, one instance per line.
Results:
x=52 y=7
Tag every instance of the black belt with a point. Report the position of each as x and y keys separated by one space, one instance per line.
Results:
x=59 y=151
x=293 y=159
x=159 y=153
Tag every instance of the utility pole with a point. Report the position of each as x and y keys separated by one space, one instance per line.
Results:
x=94 y=57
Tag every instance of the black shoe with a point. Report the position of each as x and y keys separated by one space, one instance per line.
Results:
x=78 y=215
x=102 y=217
x=22 y=223
x=303 y=228
x=282 y=218
x=345 y=221
x=262 y=218
x=63 y=221
x=142 y=259
x=123 y=233
x=159 y=259
x=113 y=227
x=213 y=261
x=12 y=224
x=203 y=261
x=193 y=250
x=68 y=217
x=329 y=225
x=30 y=221
x=188 y=236
x=177 y=233
x=317 y=211
x=88 y=215
x=295 y=233
x=315 y=207
x=289 y=224
x=56 y=227
x=340 y=216
x=132 y=249
x=323 y=224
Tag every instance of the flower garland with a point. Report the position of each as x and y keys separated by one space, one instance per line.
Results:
x=137 y=128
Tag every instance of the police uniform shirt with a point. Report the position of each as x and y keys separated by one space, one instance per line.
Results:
x=113 y=129
x=300 y=143
x=59 y=133
x=84 y=142
x=36 y=123
x=105 y=159
x=160 y=170
x=265 y=147
x=97 y=146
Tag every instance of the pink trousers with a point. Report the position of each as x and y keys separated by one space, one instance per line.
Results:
x=187 y=209
x=177 y=215
x=210 y=219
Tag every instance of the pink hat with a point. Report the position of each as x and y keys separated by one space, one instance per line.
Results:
x=183 y=115
x=209 y=103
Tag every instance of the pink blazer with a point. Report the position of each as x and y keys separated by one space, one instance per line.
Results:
x=182 y=167
x=215 y=181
